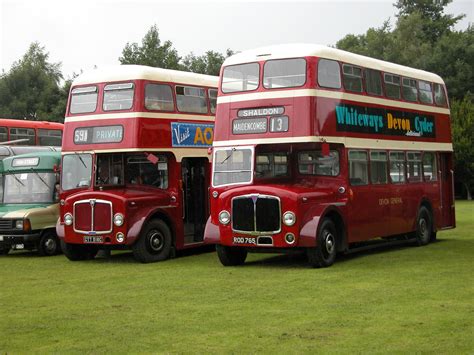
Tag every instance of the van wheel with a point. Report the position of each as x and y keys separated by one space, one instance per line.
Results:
x=424 y=226
x=231 y=256
x=48 y=244
x=77 y=252
x=324 y=254
x=154 y=243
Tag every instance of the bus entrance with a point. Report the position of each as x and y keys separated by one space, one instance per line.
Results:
x=194 y=176
x=447 y=190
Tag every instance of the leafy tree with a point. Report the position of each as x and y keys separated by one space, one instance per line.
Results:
x=152 y=52
x=30 y=90
x=210 y=63
x=462 y=113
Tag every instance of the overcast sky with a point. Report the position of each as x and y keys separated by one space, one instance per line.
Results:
x=83 y=33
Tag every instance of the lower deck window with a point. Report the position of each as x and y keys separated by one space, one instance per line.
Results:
x=378 y=167
x=358 y=167
x=397 y=167
x=414 y=166
x=429 y=167
x=269 y=165
x=315 y=163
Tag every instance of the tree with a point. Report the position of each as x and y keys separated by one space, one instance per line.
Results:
x=462 y=114
x=152 y=52
x=30 y=90
x=210 y=63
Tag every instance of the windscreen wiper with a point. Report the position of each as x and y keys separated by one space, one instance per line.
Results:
x=230 y=154
x=18 y=180
x=39 y=176
x=80 y=158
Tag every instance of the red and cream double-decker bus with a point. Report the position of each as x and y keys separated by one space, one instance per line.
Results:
x=320 y=150
x=135 y=166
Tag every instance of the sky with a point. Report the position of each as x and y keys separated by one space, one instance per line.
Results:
x=82 y=34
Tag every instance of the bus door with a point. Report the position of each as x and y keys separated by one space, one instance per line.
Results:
x=447 y=190
x=195 y=198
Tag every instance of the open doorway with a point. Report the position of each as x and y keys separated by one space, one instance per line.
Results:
x=195 y=198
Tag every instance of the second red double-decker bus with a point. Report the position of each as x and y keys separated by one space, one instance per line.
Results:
x=320 y=150
x=135 y=166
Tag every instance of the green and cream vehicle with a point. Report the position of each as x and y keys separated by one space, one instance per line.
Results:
x=29 y=202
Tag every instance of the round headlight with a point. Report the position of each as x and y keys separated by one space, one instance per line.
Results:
x=68 y=219
x=224 y=217
x=120 y=237
x=289 y=218
x=19 y=224
x=118 y=219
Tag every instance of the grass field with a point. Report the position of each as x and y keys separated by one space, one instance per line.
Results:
x=399 y=299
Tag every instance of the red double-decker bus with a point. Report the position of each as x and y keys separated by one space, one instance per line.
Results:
x=320 y=150
x=135 y=166
x=24 y=132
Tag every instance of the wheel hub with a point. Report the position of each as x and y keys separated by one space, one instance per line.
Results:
x=329 y=243
x=156 y=241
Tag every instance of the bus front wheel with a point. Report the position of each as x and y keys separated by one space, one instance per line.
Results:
x=77 y=252
x=324 y=254
x=424 y=226
x=231 y=256
x=155 y=242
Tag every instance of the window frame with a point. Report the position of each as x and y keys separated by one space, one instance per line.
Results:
x=408 y=86
x=385 y=82
x=237 y=91
x=422 y=82
x=78 y=88
x=367 y=70
x=286 y=59
x=405 y=180
x=172 y=97
x=349 y=160
x=105 y=90
x=378 y=160
x=319 y=76
x=184 y=86
x=352 y=75
x=445 y=95
x=318 y=150
x=412 y=180
x=434 y=167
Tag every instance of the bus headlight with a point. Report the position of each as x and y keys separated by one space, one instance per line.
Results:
x=224 y=217
x=118 y=219
x=68 y=219
x=289 y=218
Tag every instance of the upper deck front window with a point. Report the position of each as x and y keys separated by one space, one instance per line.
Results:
x=284 y=73
x=329 y=74
x=83 y=99
x=243 y=77
x=118 y=96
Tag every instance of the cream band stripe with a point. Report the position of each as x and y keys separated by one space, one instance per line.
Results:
x=165 y=116
x=330 y=95
x=349 y=142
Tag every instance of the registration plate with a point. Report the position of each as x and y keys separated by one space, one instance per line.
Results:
x=93 y=239
x=1 y=238
x=245 y=240
x=19 y=246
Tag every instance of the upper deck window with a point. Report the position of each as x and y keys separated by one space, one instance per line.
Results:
x=118 y=96
x=329 y=74
x=392 y=86
x=191 y=99
x=440 y=95
x=284 y=73
x=409 y=89
x=159 y=97
x=3 y=134
x=373 y=81
x=243 y=77
x=426 y=95
x=83 y=99
x=50 y=137
x=352 y=77
x=27 y=135
x=212 y=99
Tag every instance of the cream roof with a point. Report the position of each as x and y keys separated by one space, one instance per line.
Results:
x=133 y=72
x=309 y=50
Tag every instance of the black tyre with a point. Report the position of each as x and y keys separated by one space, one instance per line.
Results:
x=48 y=245
x=324 y=254
x=154 y=243
x=77 y=252
x=231 y=256
x=424 y=226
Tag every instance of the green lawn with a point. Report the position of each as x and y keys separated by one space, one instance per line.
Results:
x=400 y=299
